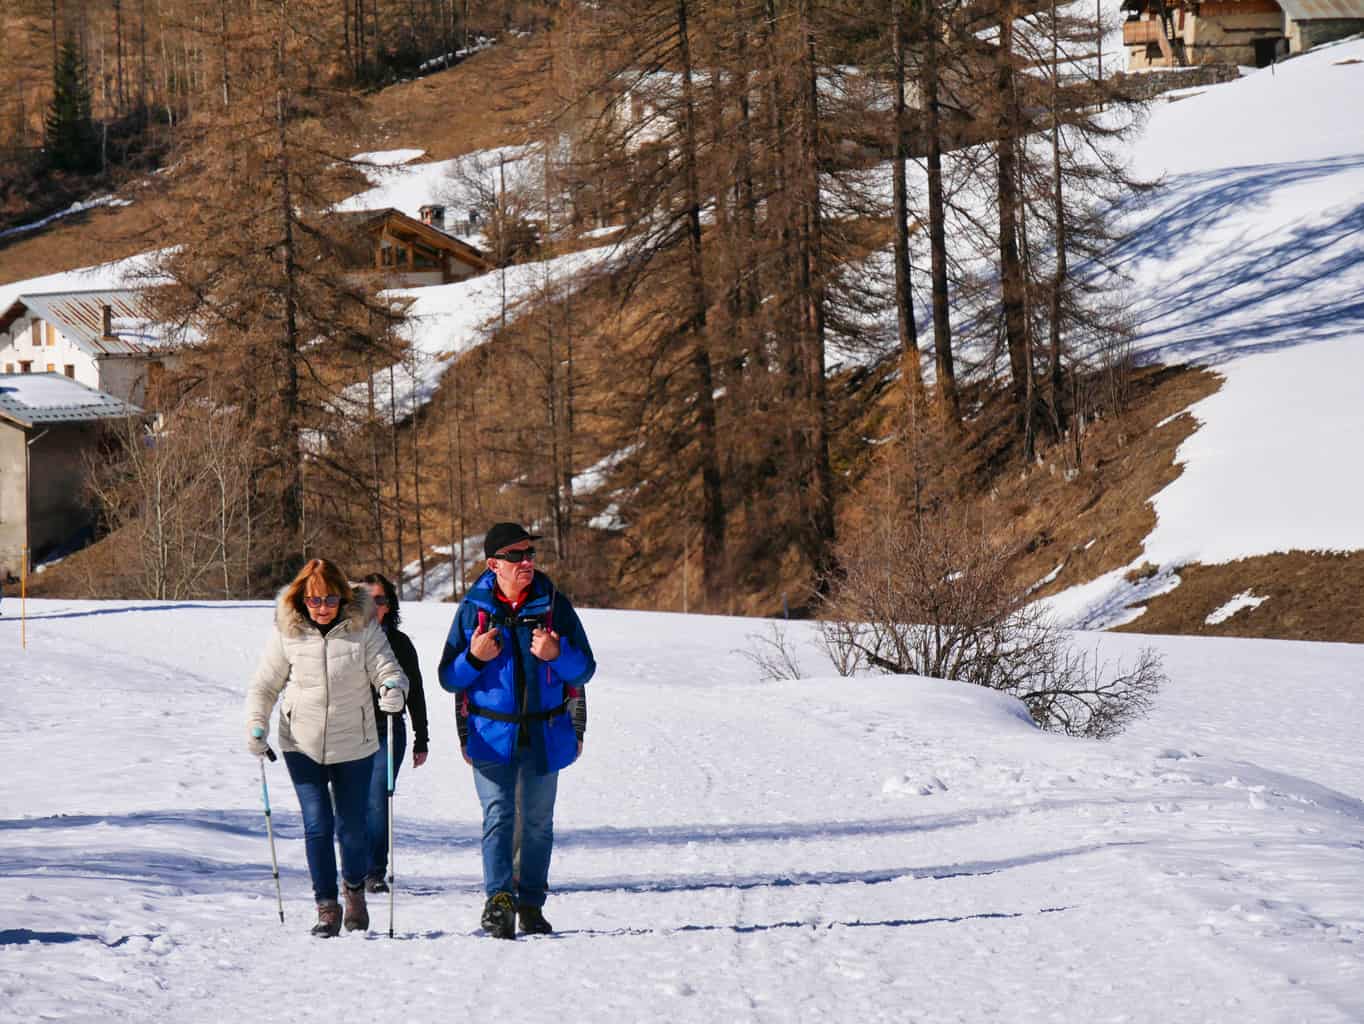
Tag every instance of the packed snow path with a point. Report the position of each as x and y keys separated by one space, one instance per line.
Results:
x=728 y=848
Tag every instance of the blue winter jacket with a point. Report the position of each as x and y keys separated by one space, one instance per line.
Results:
x=495 y=687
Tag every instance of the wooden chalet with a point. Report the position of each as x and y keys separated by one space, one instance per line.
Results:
x=403 y=251
x=1254 y=33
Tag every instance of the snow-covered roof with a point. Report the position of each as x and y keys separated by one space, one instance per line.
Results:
x=32 y=399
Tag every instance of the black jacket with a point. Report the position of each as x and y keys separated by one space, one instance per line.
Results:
x=416 y=699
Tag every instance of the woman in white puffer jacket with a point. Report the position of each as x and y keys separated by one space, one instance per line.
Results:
x=326 y=655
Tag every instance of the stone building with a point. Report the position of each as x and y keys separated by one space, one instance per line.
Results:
x=51 y=428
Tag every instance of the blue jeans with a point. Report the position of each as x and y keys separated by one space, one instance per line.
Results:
x=496 y=785
x=317 y=785
x=377 y=818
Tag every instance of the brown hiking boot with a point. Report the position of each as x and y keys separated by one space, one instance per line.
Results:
x=328 y=919
x=357 y=914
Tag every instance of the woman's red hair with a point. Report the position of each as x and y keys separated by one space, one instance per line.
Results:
x=327 y=574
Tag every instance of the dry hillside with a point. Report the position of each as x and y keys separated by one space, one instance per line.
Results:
x=1070 y=527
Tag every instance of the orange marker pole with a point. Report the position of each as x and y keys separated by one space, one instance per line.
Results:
x=23 y=599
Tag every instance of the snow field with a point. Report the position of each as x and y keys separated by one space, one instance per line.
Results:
x=870 y=849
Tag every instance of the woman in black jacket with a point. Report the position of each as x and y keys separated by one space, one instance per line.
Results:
x=386 y=610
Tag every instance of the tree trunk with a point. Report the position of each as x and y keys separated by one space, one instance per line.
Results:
x=120 y=87
x=291 y=494
x=819 y=474
x=911 y=369
x=949 y=403
x=712 y=498
x=1010 y=264
x=1058 y=282
x=397 y=473
x=417 y=497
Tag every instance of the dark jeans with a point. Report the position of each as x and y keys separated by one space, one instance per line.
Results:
x=317 y=785
x=496 y=785
x=377 y=818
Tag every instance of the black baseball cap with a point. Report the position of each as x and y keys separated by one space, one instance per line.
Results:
x=499 y=535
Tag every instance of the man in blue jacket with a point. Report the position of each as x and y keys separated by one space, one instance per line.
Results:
x=517 y=655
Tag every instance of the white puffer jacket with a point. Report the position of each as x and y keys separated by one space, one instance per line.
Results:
x=327 y=712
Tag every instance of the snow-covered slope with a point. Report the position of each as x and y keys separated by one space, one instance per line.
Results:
x=891 y=849
x=1250 y=258
x=445 y=321
x=132 y=272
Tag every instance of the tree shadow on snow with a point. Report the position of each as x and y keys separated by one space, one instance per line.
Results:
x=1280 y=289
x=23 y=936
x=702 y=882
x=747 y=929
x=138 y=608
x=181 y=873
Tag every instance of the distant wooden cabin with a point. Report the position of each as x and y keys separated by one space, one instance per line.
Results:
x=1254 y=33
x=106 y=339
x=405 y=252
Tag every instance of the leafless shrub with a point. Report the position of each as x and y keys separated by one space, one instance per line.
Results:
x=773 y=655
x=935 y=598
x=178 y=497
x=839 y=640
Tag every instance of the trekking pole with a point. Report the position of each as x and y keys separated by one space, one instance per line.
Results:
x=258 y=732
x=391 y=887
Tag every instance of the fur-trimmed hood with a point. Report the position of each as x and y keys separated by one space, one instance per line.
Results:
x=356 y=611
x=325 y=684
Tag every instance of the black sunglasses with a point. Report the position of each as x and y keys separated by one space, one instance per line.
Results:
x=381 y=600
x=516 y=556
x=331 y=601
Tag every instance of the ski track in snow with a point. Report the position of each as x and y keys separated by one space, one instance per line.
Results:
x=728 y=849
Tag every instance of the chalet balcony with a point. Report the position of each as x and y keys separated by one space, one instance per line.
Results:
x=1139 y=33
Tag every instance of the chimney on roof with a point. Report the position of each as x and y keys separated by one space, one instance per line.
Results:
x=433 y=215
x=108 y=320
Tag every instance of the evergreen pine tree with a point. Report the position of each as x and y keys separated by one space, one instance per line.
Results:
x=71 y=142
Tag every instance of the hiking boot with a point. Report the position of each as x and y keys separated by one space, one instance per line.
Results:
x=357 y=914
x=328 y=919
x=499 y=916
x=376 y=883
x=533 y=921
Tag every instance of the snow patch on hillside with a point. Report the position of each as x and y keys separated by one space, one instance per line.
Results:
x=388 y=158
x=74 y=208
x=1240 y=602
x=445 y=321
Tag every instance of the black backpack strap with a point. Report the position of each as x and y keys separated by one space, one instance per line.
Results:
x=502 y=716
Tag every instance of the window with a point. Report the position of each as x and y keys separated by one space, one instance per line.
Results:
x=25 y=366
x=69 y=370
x=51 y=335
x=37 y=332
x=425 y=259
x=9 y=367
x=51 y=367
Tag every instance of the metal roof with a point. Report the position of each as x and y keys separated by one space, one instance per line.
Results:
x=32 y=399
x=1297 y=10
x=1322 y=10
x=80 y=316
